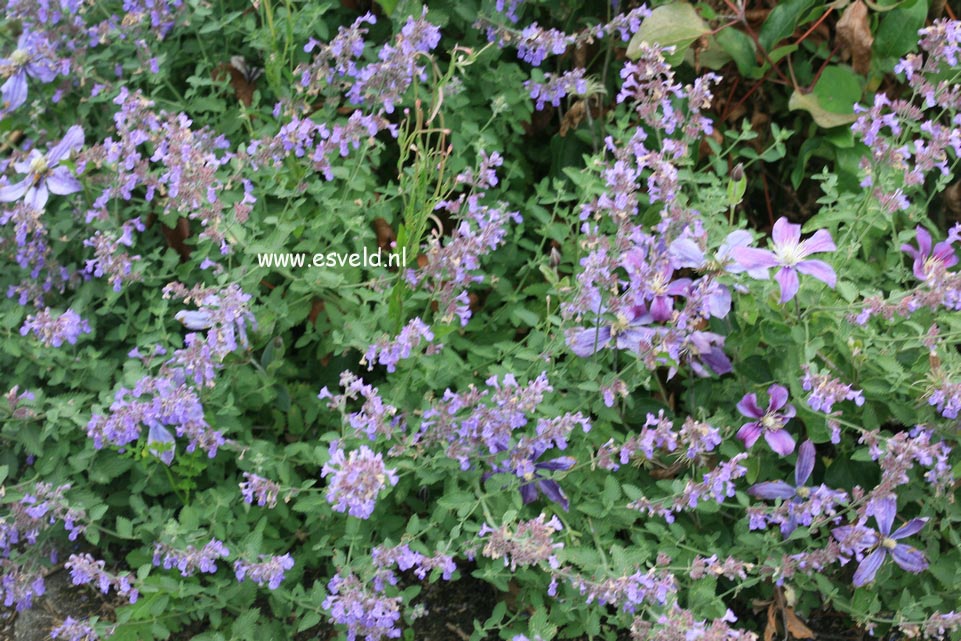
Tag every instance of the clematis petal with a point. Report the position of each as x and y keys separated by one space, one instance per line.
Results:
x=737 y=238
x=910 y=559
x=10 y=193
x=869 y=567
x=751 y=258
x=528 y=493
x=785 y=233
x=944 y=252
x=818 y=269
x=685 y=253
x=924 y=240
x=772 y=490
x=589 y=341
x=37 y=195
x=910 y=528
x=62 y=182
x=884 y=510
x=820 y=241
x=748 y=406
x=718 y=361
x=560 y=463
x=778 y=395
x=71 y=141
x=749 y=434
x=780 y=441
x=805 y=463
x=787 y=279
x=553 y=491
x=13 y=93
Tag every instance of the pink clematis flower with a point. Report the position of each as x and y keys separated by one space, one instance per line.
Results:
x=790 y=254
x=927 y=262
x=769 y=422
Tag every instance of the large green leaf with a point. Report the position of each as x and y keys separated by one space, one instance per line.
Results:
x=782 y=21
x=674 y=25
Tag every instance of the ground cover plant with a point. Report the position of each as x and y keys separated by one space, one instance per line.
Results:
x=642 y=318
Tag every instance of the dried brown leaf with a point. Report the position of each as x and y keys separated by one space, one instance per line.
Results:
x=854 y=34
x=795 y=627
x=770 y=630
x=573 y=118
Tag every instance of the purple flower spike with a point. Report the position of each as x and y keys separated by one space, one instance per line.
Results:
x=44 y=173
x=886 y=544
x=790 y=254
x=928 y=262
x=769 y=422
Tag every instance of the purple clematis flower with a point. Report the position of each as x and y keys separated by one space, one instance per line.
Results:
x=685 y=253
x=529 y=471
x=44 y=173
x=534 y=481
x=926 y=261
x=769 y=422
x=790 y=254
x=797 y=492
x=886 y=544
x=626 y=333
x=28 y=59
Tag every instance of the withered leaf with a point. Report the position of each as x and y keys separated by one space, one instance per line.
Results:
x=795 y=627
x=854 y=34
x=770 y=630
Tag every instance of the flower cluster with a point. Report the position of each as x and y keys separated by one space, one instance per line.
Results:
x=263 y=490
x=191 y=559
x=367 y=614
x=529 y=543
x=85 y=569
x=52 y=330
x=356 y=480
x=268 y=570
x=388 y=352
x=375 y=418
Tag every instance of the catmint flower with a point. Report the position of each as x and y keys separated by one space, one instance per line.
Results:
x=884 y=543
x=74 y=630
x=927 y=261
x=44 y=173
x=366 y=614
x=191 y=559
x=827 y=390
x=263 y=490
x=530 y=543
x=269 y=570
x=53 y=331
x=85 y=569
x=770 y=422
x=790 y=254
x=356 y=480
x=389 y=352
x=556 y=87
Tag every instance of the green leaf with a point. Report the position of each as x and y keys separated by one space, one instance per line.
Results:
x=782 y=21
x=897 y=33
x=823 y=117
x=675 y=25
x=740 y=47
x=838 y=89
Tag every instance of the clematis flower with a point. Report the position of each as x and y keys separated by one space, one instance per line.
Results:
x=926 y=261
x=626 y=333
x=797 y=492
x=885 y=544
x=44 y=173
x=534 y=481
x=790 y=254
x=685 y=253
x=28 y=59
x=769 y=422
